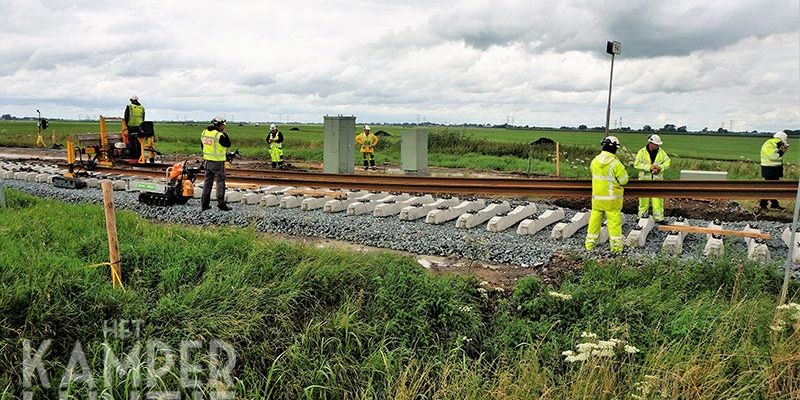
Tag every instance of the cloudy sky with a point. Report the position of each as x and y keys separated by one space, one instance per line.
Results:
x=694 y=63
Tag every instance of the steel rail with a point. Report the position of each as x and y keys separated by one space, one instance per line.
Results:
x=499 y=186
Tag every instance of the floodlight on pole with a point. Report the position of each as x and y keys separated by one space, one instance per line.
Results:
x=612 y=48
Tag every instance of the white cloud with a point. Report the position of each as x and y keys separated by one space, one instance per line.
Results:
x=542 y=63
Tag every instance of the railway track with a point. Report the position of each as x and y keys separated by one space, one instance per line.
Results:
x=497 y=186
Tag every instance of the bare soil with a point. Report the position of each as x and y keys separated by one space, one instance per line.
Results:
x=560 y=266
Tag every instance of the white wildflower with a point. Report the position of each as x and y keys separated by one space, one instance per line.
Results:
x=603 y=353
x=584 y=347
x=577 y=357
x=779 y=326
x=560 y=296
x=568 y=353
x=465 y=309
x=484 y=283
x=631 y=349
x=499 y=290
x=606 y=344
x=589 y=335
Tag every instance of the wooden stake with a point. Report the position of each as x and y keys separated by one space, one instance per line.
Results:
x=712 y=231
x=111 y=229
x=558 y=161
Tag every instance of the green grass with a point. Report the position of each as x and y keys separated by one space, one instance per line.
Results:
x=319 y=323
x=471 y=148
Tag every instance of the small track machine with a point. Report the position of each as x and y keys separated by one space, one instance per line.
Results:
x=178 y=189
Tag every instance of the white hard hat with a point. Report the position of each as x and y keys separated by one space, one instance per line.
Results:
x=655 y=139
x=135 y=97
x=612 y=140
x=218 y=121
x=272 y=127
x=782 y=136
x=366 y=127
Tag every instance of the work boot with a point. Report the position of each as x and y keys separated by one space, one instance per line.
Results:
x=223 y=207
x=274 y=164
x=763 y=204
x=205 y=207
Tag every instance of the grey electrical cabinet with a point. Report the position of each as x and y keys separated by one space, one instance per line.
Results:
x=414 y=151
x=339 y=146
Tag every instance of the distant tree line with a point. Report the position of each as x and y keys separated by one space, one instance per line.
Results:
x=667 y=128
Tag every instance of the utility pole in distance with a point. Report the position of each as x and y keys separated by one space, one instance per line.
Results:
x=612 y=48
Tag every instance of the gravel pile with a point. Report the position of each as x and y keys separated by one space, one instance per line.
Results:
x=412 y=236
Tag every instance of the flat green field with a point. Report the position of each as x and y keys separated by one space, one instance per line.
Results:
x=488 y=149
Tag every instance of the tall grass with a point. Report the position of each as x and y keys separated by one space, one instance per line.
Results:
x=319 y=323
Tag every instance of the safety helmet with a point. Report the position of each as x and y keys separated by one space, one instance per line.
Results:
x=782 y=136
x=134 y=98
x=272 y=127
x=366 y=127
x=610 y=141
x=655 y=139
x=218 y=121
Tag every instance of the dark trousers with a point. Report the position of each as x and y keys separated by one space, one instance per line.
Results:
x=133 y=142
x=369 y=159
x=763 y=203
x=215 y=172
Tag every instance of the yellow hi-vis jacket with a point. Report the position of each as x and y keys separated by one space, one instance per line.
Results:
x=212 y=150
x=136 y=115
x=643 y=164
x=367 y=142
x=769 y=153
x=608 y=177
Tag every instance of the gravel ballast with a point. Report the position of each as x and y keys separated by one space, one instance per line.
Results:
x=411 y=236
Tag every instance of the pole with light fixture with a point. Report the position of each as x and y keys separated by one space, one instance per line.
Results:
x=612 y=48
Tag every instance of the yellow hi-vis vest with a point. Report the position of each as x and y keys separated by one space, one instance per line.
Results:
x=274 y=137
x=643 y=164
x=367 y=142
x=212 y=150
x=136 y=115
x=608 y=177
x=769 y=153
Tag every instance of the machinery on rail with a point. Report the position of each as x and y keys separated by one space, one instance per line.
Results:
x=87 y=151
x=179 y=186
x=178 y=189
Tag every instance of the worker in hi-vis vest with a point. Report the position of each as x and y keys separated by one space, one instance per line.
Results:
x=651 y=161
x=214 y=142
x=772 y=152
x=134 y=116
x=368 y=143
x=608 y=178
x=275 y=143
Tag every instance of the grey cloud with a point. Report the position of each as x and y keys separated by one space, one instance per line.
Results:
x=646 y=28
x=256 y=79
